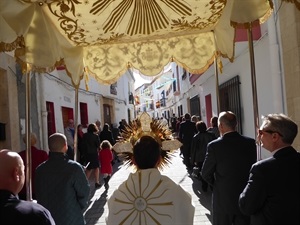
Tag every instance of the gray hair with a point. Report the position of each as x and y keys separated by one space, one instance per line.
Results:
x=282 y=125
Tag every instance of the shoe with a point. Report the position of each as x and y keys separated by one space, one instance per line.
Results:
x=97 y=185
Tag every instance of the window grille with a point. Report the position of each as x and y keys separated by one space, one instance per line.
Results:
x=229 y=93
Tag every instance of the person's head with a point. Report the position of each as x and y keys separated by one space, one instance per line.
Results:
x=106 y=127
x=146 y=153
x=71 y=123
x=92 y=128
x=201 y=126
x=187 y=116
x=105 y=144
x=98 y=123
x=57 y=142
x=277 y=131
x=12 y=174
x=124 y=122
x=33 y=139
x=227 y=122
x=214 y=121
x=194 y=118
x=79 y=127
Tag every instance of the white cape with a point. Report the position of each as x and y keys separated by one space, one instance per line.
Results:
x=147 y=197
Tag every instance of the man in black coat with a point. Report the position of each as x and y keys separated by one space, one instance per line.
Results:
x=226 y=167
x=272 y=195
x=12 y=209
x=187 y=131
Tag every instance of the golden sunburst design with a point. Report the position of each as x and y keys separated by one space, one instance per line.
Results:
x=145 y=126
x=142 y=201
x=147 y=17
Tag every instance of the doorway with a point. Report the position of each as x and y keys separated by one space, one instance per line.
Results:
x=208 y=108
x=67 y=114
x=107 y=113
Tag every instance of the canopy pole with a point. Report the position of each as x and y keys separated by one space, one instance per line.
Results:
x=254 y=88
x=217 y=84
x=75 y=125
x=28 y=137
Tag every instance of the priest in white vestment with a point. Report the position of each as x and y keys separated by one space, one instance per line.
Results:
x=147 y=197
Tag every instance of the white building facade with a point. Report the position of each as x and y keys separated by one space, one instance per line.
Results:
x=196 y=94
x=53 y=102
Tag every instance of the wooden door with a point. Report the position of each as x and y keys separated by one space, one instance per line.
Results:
x=107 y=114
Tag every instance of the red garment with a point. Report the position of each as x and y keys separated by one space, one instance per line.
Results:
x=80 y=133
x=105 y=158
x=37 y=157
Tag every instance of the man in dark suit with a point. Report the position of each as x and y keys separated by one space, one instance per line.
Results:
x=12 y=209
x=187 y=131
x=226 y=167
x=272 y=195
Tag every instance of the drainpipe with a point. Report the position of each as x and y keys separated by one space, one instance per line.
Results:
x=276 y=65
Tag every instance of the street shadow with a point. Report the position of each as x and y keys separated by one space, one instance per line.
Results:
x=116 y=167
x=205 y=198
x=96 y=210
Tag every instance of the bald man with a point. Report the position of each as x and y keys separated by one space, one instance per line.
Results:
x=61 y=184
x=226 y=167
x=12 y=209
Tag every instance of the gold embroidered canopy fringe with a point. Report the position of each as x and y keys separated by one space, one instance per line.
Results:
x=107 y=37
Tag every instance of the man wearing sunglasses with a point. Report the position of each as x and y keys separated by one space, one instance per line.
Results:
x=273 y=190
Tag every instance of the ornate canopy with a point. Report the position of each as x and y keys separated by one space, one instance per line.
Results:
x=106 y=37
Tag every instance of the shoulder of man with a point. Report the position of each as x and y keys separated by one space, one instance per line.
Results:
x=74 y=164
x=40 y=214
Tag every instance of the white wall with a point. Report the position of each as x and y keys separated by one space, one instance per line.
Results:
x=62 y=94
x=269 y=93
x=122 y=101
x=241 y=66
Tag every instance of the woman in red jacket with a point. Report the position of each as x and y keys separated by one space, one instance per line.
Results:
x=105 y=158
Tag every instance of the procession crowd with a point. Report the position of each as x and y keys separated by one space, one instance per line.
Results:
x=245 y=191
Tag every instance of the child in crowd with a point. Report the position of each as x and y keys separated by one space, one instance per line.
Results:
x=105 y=158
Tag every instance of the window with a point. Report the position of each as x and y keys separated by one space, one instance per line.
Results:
x=230 y=99
x=195 y=106
x=83 y=114
x=184 y=75
x=163 y=99
x=174 y=86
x=208 y=108
x=180 y=111
x=130 y=98
x=113 y=88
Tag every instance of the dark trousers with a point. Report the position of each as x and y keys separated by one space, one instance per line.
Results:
x=204 y=183
x=186 y=152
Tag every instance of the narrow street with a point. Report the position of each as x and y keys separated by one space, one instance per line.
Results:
x=97 y=209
